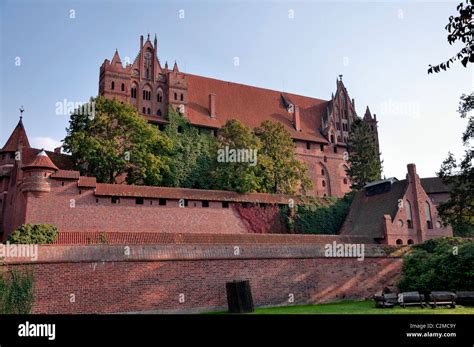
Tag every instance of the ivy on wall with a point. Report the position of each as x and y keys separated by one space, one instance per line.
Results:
x=314 y=217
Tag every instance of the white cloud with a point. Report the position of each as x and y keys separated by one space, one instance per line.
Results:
x=47 y=143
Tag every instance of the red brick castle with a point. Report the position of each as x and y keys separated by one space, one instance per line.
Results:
x=320 y=128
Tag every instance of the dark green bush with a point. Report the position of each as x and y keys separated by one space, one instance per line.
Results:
x=440 y=264
x=34 y=234
x=16 y=292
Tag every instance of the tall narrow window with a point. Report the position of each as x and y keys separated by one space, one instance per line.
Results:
x=176 y=96
x=408 y=214
x=123 y=87
x=113 y=85
x=182 y=97
x=429 y=224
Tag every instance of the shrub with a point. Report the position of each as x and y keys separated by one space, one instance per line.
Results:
x=440 y=264
x=34 y=234
x=16 y=292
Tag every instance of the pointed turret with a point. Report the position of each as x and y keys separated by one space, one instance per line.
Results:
x=175 y=67
x=155 y=43
x=37 y=172
x=17 y=139
x=166 y=65
x=41 y=161
x=116 y=58
x=367 y=115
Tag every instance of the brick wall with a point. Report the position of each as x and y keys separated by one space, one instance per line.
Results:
x=154 y=278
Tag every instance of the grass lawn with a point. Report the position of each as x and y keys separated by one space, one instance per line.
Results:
x=360 y=307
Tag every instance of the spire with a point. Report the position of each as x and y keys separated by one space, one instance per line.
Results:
x=41 y=161
x=175 y=67
x=17 y=138
x=116 y=58
x=166 y=65
x=368 y=115
x=156 y=43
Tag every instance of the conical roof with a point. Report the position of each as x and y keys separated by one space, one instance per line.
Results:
x=18 y=136
x=41 y=161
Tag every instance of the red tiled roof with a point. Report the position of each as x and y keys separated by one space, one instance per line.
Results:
x=252 y=106
x=62 y=161
x=131 y=238
x=184 y=193
x=66 y=174
x=41 y=160
x=87 y=182
x=18 y=135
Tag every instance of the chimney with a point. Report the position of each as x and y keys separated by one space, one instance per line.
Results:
x=412 y=176
x=57 y=150
x=212 y=105
x=296 y=118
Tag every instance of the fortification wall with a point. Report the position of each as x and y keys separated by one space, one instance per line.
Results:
x=192 y=277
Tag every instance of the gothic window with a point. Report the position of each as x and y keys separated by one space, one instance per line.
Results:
x=429 y=224
x=147 y=62
x=134 y=93
x=113 y=85
x=408 y=214
x=159 y=96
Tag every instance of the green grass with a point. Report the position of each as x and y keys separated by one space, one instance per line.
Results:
x=360 y=307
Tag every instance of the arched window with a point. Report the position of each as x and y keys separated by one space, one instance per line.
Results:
x=176 y=96
x=133 y=92
x=399 y=242
x=113 y=85
x=322 y=172
x=323 y=183
x=325 y=159
x=159 y=96
x=144 y=95
x=408 y=214
x=123 y=87
x=429 y=224
x=410 y=242
x=182 y=97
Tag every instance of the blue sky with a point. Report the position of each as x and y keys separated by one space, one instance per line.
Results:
x=382 y=48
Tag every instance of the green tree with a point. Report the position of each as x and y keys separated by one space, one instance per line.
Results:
x=281 y=172
x=191 y=157
x=364 y=160
x=460 y=28
x=115 y=140
x=228 y=174
x=34 y=234
x=459 y=177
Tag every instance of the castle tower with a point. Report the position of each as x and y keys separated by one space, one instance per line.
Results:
x=36 y=175
x=114 y=79
x=372 y=122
